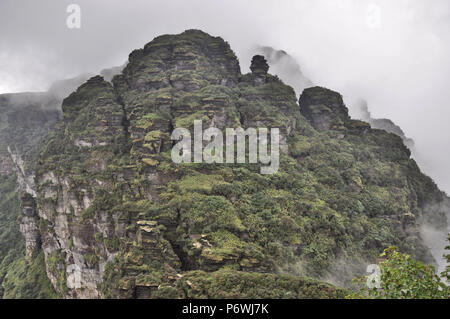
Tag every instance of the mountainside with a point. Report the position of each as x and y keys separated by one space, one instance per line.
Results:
x=115 y=217
x=25 y=119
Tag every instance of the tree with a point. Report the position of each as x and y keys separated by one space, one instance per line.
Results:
x=446 y=272
x=403 y=277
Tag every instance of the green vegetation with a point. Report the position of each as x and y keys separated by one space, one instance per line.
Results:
x=235 y=284
x=446 y=272
x=19 y=278
x=402 y=277
x=27 y=280
x=12 y=243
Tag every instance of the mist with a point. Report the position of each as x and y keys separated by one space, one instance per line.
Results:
x=393 y=54
x=435 y=240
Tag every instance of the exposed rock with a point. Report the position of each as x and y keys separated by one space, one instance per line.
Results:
x=259 y=68
x=29 y=225
x=259 y=65
x=324 y=109
x=24 y=179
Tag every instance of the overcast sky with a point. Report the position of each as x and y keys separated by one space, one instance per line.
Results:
x=394 y=54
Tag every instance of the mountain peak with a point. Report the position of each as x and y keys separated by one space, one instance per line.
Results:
x=259 y=65
x=324 y=108
x=187 y=61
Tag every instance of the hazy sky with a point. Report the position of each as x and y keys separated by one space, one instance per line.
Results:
x=394 y=54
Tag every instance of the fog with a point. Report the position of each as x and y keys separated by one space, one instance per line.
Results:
x=394 y=54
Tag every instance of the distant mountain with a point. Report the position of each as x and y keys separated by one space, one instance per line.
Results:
x=289 y=70
x=361 y=111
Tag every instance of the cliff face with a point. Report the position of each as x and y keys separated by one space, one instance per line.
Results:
x=118 y=218
x=25 y=119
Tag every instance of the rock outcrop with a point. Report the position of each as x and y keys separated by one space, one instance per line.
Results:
x=324 y=109
x=286 y=67
x=259 y=68
x=29 y=225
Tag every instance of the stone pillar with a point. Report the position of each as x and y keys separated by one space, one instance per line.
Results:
x=259 y=68
x=29 y=224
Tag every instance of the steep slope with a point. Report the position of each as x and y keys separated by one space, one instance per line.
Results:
x=118 y=218
x=25 y=119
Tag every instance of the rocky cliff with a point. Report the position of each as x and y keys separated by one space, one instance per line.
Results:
x=117 y=218
x=25 y=119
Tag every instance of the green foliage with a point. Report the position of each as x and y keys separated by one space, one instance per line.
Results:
x=446 y=272
x=19 y=278
x=403 y=277
x=27 y=280
x=234 y=284
x=11 y=240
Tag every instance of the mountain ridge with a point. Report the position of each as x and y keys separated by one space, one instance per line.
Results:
x=115 y=217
